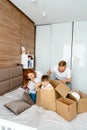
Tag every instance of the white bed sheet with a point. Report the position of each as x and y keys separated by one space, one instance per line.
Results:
x=41 y=118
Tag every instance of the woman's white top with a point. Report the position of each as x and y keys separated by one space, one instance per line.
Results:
x=32 y=84
x=59 y=75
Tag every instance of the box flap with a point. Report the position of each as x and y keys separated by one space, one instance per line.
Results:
x=54 y=82
x=62 y=89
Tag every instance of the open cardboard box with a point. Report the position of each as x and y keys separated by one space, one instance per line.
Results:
x=47 y=98
x=81 y=104
x=66 y=108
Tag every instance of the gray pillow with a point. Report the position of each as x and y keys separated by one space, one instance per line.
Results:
x=27 y=98
x=17 y=106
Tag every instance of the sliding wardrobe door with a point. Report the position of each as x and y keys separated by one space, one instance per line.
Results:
x=42 y=48
x=79 y=56
x=61 y=43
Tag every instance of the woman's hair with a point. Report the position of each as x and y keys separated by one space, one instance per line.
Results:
x=26 y=72
x=44 y=78
x=62 y=63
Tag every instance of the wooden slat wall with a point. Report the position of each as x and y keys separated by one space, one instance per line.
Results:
x=28 y=31
x=16 y=30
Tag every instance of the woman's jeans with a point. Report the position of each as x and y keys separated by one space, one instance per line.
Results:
x=33 y=97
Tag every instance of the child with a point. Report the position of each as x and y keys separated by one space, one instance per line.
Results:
x=45 y=83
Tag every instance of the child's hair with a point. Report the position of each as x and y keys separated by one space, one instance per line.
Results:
x=62 y=63
x=45 y=78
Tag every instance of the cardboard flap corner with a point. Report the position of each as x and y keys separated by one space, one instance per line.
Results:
x=62 y=89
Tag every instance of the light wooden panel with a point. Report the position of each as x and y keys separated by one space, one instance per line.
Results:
x=27 y=34
x=16 y=30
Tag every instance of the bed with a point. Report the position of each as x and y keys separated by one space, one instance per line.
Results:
x=34 y=117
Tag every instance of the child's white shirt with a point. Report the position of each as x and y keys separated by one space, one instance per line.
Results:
x=49 y=86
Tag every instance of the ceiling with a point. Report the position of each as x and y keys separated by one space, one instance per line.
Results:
x=53 y=11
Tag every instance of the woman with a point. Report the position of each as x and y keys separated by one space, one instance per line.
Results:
x=32 y=80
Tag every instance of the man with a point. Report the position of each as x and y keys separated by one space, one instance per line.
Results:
x=62 y=72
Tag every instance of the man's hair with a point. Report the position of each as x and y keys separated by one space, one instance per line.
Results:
x=45 y=78
x=62 y=63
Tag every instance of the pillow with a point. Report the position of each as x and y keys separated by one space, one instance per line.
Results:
x=17 y=106
x=16 y=94
x=27 y=98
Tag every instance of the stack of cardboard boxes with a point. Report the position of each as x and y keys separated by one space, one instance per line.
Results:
x=56 y=100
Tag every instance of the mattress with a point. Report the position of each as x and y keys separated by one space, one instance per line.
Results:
x=38 y=117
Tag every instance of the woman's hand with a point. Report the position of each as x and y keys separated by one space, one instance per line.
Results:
x=37 y=85
x=25 y=87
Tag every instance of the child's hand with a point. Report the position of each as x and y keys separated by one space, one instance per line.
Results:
x=38 y=84
x=37 y=89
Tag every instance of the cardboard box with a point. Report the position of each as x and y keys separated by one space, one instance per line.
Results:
x=81 y=105
x=62 y=89
x=66 y=108
x=47 y=98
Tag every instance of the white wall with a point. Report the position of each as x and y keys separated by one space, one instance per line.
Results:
x=43 y=34
x=61 y=43
x=53 y=43
x=79 y=58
